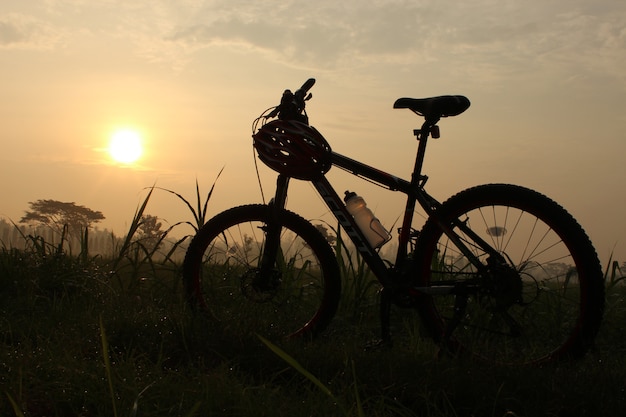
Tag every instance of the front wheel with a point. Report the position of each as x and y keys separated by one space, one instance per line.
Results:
x=535 y=296
x=297 y=294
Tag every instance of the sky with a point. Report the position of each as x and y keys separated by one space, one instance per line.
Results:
x=546 y=80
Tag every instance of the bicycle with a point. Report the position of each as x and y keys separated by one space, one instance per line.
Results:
x=498 y=271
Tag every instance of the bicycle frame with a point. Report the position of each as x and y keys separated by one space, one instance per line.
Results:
x=493 y=303
x=414 y=189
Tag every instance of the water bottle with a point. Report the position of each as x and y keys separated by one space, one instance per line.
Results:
x=370 y=226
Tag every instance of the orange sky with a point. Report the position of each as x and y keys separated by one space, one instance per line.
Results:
x=546 y=82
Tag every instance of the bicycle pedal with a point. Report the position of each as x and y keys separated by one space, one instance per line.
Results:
x=378 y=345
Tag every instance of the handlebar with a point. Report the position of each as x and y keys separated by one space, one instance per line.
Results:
x=292 y=105
x=301 y=92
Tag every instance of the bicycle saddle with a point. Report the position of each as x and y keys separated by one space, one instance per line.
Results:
x=433 y=108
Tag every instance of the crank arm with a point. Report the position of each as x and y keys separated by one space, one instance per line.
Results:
x=452 y=288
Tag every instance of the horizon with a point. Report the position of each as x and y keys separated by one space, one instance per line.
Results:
x=545 y=80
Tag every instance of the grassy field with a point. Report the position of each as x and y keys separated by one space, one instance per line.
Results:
x=84 y=336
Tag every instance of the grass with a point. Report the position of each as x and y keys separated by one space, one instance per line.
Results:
x=95 y=336
x=73 y=341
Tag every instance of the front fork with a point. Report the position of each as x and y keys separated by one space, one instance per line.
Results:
x=273 y=227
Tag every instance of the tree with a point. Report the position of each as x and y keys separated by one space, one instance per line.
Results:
x=149 y=230
x=57 y=215
x=331 y=239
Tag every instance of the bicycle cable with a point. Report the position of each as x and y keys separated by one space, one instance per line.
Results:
x=261 y=119
x=258 y=176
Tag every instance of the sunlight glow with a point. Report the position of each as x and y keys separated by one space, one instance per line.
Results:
x=125 y=146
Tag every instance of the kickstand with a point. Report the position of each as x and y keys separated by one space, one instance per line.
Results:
x=460 y=304
x=385 y=328
x=385 y=319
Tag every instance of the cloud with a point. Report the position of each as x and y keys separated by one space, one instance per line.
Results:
x=482 y=38
x=18 y=31
x=323 y=34
x=492 y=36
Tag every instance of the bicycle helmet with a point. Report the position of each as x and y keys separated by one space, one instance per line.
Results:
x=293 y=148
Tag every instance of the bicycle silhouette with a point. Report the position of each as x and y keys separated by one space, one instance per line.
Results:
x=498 y=271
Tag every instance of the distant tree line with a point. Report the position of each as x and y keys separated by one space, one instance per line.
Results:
x=74 y=228
x=12 y=235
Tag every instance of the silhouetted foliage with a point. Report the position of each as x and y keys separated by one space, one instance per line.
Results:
x=149 y=230
x=57 y=215
x=331 y=239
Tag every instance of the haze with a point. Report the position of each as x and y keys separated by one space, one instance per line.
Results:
x=546 y=81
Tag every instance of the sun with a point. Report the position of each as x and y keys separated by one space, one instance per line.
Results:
x=125 y=146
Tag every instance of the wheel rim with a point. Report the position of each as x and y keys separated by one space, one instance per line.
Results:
x=228 y=283
x=500 y=322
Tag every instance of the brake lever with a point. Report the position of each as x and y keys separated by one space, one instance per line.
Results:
x=290 y=105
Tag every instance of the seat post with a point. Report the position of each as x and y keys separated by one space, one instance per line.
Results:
x=422 y=137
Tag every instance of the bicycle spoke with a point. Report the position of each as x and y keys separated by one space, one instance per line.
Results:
x=296 y=294
x=527 y=303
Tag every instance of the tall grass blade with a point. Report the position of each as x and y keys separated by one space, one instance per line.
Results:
x=359 y=283
x=612 y=274
x=359 y=406
x=194 y=409
x=84 y=246
x=107 y=364
x=16 y=408
x=206 y=201
x=296 y=365
x=198 y=212
x=132 y=230
x=135 y=409
x=61 y=243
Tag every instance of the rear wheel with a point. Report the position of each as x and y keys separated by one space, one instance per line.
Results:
x=297 y=296
x=539 y=298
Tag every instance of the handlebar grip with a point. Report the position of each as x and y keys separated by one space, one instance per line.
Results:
x=308 y=84
x=305 y=87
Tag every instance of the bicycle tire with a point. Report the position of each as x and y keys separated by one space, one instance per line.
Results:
x=553 y=307
x=221 y=275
